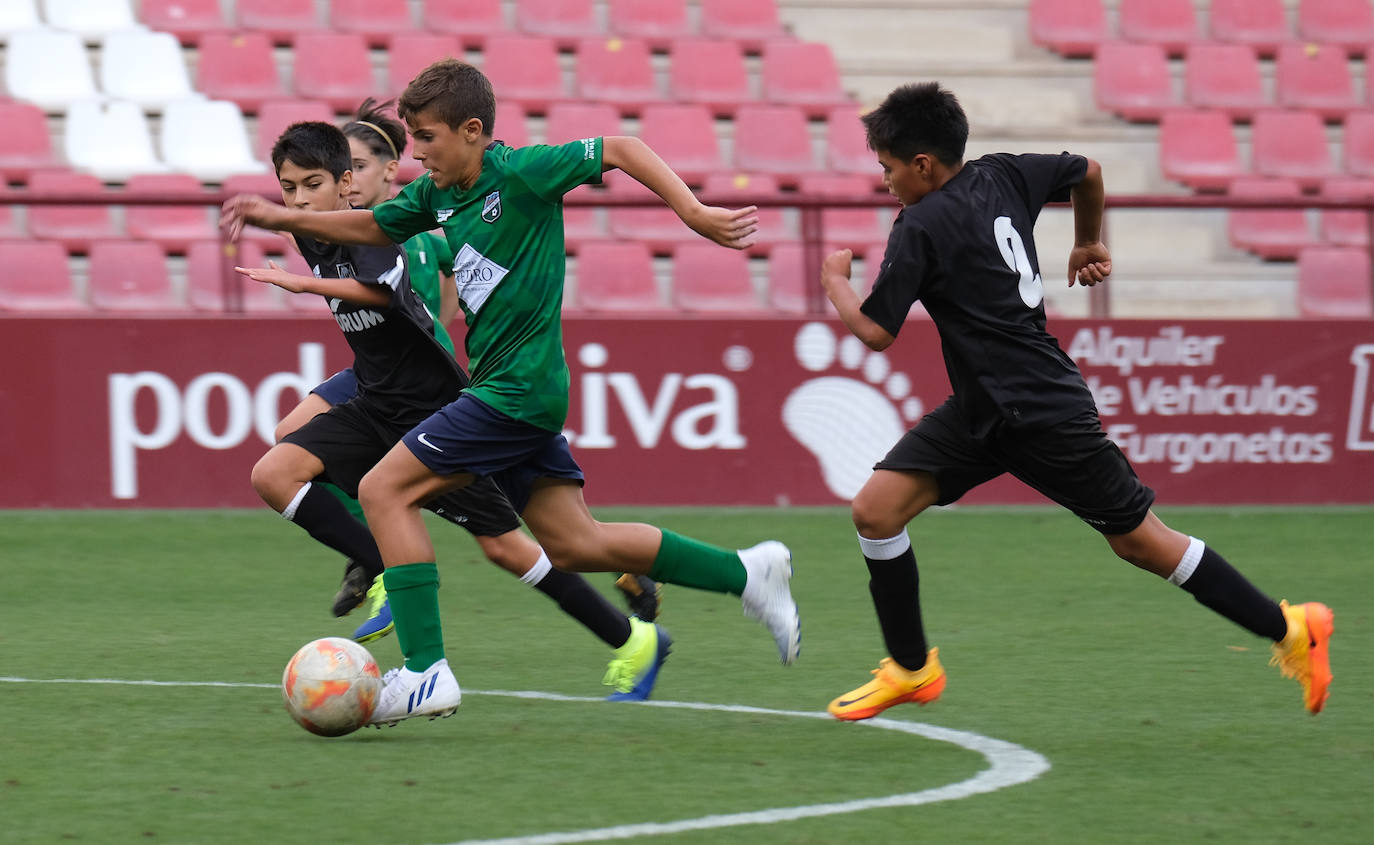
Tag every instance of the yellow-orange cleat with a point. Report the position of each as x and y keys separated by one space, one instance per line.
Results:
x=892 y=684
x=1303 y=654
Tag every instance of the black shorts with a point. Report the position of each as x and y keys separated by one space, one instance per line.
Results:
x=1072 y=463
x=349 y=442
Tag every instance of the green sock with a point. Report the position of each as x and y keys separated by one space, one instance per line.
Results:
x=349 y=503
x=691 y=563
x=413 y=590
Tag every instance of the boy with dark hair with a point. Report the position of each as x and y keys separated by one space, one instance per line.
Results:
x=404 y=372
x=962 y=246
x=501 y=210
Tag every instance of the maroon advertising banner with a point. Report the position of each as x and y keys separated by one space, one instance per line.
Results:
x=141 y=412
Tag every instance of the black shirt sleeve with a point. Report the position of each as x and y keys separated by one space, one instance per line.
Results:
x=903 y=276
x=379 y=265
x=1043 y=178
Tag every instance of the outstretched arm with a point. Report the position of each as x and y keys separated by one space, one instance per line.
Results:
x=349 y=290
x=835 y=279
x=355 y=226
x=728 y=227
x=1089 y=261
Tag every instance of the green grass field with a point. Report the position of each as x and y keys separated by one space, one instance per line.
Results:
x=1160 y=721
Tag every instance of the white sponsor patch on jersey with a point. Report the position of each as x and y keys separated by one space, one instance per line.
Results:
x=477 y=276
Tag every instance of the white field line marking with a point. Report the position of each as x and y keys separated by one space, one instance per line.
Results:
x=1009 y=764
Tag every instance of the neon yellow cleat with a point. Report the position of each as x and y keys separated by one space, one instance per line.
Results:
x=1303 y=653
x=378 y=622
x=634 y=669
x=891 y=685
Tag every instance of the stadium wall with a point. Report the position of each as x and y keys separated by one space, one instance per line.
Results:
x=148 y=412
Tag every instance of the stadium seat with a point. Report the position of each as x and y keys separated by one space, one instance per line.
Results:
x=855 y=228
x=737 y=190
x=787 y=280
x=10 y=227
x=74 y=226
x=282 y=21
x=685 y=137
x=655 y=225
x=334 y=67
x=1269 y=233
x=110 y=139
x=752 y=23
x=1291 y=144
x=188 y=20
x=710 y=72
x=208 y=139
x=773 y=139
x=510 y=125
x=846 y=145
x=172 y=227
x=616 y=276
x=1198 y=148
x=1224 y=77
x=25 y=145
x=376 y=20
x=1172 y=24
x=658 y=22
x=130 y=276
x=412 y=52
x=1346 y=228
x=49 y=68
x=473 y=21
x=804 y=74
x=145 y=68
x=263 y=184
x=524 y=69
x=582 y=224
x=204 y=282
x=1316 y=78
x=1348 y=24
x=276 y=115
x=239 y=67
x=571 y=121
x=1261 y=24
x=17 y=15
x=1133 y=81
x=616 y=70
x=1357 y=151
x=90 y=19
x=34 y=277
x=1071 y=28
x=565 y=21
x=1334 y=282
x=710 y=278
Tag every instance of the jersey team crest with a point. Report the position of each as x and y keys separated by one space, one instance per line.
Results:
x=491 y=207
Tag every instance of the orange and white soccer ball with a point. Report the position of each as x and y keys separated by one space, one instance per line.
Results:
x=331 y=685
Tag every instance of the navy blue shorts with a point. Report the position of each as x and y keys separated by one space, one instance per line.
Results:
x=469 y=436
x=338 y=388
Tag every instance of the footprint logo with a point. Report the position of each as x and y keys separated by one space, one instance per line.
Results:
x=847 y=421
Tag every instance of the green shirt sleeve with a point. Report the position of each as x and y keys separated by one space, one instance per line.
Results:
x=552 y=171
x=408 y=213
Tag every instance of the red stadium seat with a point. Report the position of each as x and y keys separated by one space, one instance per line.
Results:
x=473 y=21
x=1133 y=80
x=655 y=225
x=616 y=276
x=583 y=224
x=1172 y=24
x=74 y=226
x=685 y=137
x=204 y=285
x=282 y=21
x=846 y=145
x=1358 y=146
x=1348 y=24
x=10 y=227
x=412 y=52
x=738 y=190
x=239 y=67
x=276 y=115
x=617 y=71
x=25 y=145
x=710 y=278
x=848 y=227
x=1224 y=77
x=658 y=22
x=710 y=72
x=787 y=279
x=804 y=74
x=188 y=20
x=1291 y=144
x=1346 y=228
x=750 y=22
x=376 y=20
x=172 y=227
x=1069 y=27
x=34 y=277
x=773 y=139
x=524 y=69
x=130 y=276
x=1269 y=233
x=1334 y=282
x=571 y=121
x=1313 y=77
x=1261 y=24
x=1198 y=148
x=334 y=67
x=263 y=184
x=565 y=21
x=510 y=125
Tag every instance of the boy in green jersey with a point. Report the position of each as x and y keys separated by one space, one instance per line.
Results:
x=501 y=211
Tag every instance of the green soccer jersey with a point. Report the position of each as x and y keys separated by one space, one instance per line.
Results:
x=506 y=232
x=427 y=256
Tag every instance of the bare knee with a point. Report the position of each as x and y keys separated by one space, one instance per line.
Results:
x=271 y=482
x=874 y=519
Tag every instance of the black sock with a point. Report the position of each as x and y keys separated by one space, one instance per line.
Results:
x=328 y=521
x=894 y=585
x=1217 y=585
x=580 y=600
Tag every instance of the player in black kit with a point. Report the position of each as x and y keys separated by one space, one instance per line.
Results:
x=962 y=245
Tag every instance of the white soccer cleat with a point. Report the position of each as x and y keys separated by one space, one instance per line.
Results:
x=768 y=598
x=407 y=694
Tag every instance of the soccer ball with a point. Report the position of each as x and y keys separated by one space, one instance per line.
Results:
x=330 y=687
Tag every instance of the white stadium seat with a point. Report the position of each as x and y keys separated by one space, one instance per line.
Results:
x=49 y=68
x=90 y=19
x=16 y=15
x=110 y=139
x=208 y=139
x=144 y=67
